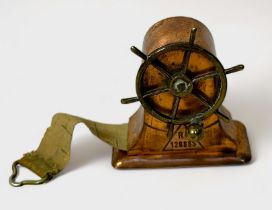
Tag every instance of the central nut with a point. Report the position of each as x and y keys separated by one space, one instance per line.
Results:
x=181 y=85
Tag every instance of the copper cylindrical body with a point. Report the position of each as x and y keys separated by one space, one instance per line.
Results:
x=177 y=29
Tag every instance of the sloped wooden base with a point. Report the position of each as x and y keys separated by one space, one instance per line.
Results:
x=120 y=159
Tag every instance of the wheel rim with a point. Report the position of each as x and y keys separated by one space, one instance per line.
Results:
x=220 y=77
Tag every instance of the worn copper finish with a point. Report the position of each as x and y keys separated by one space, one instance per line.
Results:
x=168 y=138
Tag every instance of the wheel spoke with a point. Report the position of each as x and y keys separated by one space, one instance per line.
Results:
x=152 y=92
x=170 y=131
x=129 y=100
x=192 y=36
x=215 y=73
x=205 y=76
x=204 y=101
x=175 y=107
x=156 y=91
x=187 y=53
x=173 y=116
x=185 y=61
x=234 y=69
x=138 y=52
x=156 y=63
x=162 y=68
x=222 y=116
x=201 y=99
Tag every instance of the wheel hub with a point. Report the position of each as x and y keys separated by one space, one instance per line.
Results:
x=181 y=85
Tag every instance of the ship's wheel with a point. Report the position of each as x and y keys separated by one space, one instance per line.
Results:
x=178 y=82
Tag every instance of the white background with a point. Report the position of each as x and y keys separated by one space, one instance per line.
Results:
x=73 y=56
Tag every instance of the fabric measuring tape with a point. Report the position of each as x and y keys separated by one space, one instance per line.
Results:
x=53 y=153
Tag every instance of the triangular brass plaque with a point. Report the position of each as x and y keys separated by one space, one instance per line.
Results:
x=179 y=142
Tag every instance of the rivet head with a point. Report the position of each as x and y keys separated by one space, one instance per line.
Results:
x=195 y=132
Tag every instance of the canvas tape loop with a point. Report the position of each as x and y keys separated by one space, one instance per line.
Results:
x=53 y=153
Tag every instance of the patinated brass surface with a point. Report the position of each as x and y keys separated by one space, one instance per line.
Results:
x=181 y=86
